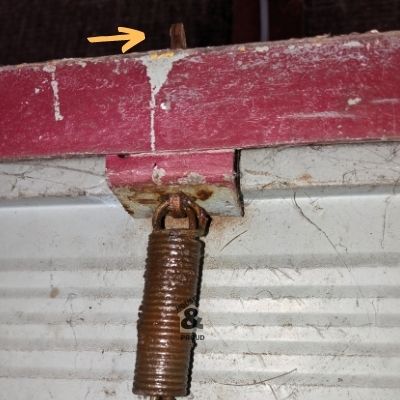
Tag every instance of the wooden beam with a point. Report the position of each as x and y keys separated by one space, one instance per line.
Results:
x=140 y=181
x=318 y=90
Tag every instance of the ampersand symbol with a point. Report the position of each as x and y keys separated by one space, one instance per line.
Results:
x=191 y=321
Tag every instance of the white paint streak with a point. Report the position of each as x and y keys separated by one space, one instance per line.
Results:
x=49 y=68
x=158 y=67
x=54 y=86
x=313 y=115
x=165 y=106
x=354 y=101
x=262 y=49
x=386 y=101
x=158 y=174
x=116 y=70
x=229 y=177
x=353 y=44
x=192 y=178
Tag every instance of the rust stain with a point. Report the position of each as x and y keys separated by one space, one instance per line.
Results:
x=54 y=292
x=151 y=195
x=143 y=201
x=305 y=178
x=204 y=194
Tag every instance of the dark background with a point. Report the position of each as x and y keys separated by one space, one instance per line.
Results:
x=38 y=30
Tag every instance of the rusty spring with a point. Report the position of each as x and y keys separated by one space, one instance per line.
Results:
x=163 y=354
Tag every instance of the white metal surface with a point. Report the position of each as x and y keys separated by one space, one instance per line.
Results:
x=300 y=298
x=53 y=178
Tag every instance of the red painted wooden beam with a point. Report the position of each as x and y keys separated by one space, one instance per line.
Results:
x=318 y=90
x=168 y=169
x=74 y=107
x=140 y=181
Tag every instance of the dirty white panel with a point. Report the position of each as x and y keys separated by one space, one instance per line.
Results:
x=51 y=181
x=60 y=177
x=300 y=297
x=335 y=169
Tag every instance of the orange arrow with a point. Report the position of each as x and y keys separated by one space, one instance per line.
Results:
x=132 y=36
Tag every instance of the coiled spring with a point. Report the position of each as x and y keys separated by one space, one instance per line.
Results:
x=174 y=256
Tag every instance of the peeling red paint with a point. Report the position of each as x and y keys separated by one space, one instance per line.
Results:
x=141 y=181
x=292 y=92
x=172 y=169
x=315 y=90
x=97 y=110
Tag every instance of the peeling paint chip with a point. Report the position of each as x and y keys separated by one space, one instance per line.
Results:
x=158 y=174
x=54 y=86
x=262 y=49
x=353 y=44
x=354 y=101
x=193 y=178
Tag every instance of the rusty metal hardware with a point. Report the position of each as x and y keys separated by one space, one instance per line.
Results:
x=174 y=256
x=177 y=36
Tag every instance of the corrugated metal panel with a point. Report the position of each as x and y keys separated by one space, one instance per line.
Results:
x=300 y=298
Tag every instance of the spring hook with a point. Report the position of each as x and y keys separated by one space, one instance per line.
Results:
x=163 y=356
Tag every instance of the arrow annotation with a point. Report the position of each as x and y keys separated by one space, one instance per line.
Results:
x=132 y=36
